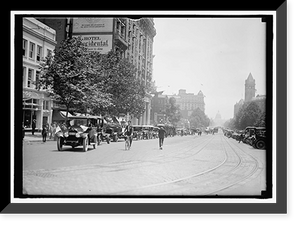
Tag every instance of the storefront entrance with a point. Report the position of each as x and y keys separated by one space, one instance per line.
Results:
x=28 y=116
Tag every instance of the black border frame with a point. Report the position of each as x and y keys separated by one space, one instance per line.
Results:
x=191 y=208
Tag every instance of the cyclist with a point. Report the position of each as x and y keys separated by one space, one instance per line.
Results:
x=129 y=132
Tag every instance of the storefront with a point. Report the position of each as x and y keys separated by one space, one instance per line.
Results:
x=36 y=109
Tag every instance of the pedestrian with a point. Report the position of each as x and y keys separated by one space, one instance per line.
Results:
x=50 y=131
x=129 y=132
x=44 y=133
x=161 y=136
x=33 y=125
x=54 y=130
x=241 y=137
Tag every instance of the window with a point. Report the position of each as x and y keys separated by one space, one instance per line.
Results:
x=39 y=53
x=30 y=77
x=45 y=105
x=49 y=52
x=24 y=76
x=24 y=47
x=31 y=50
x=37 y=78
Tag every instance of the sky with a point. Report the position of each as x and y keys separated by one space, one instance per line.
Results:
x=214 y=55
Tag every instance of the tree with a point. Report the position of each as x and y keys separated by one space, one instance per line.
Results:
x=126 y=91
x=173 y=111
x=261 y=121
x=247 y=116
x=70 y=78
x=198 y=119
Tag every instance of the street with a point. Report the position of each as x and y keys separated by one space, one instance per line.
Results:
x=190 y=165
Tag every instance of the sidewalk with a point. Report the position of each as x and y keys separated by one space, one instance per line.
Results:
x=37 y=137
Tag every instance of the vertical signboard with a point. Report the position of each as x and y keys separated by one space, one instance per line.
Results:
x=95 y=33
x=92 y=25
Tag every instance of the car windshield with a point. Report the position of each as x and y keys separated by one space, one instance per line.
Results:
x=78 y=122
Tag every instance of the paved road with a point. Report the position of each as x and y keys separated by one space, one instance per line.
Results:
x=189 y=165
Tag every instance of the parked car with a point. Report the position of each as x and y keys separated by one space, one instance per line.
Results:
x=146 y=129
x=79 y=131
x=256 y=137
x=137 y=132
x=259 y=138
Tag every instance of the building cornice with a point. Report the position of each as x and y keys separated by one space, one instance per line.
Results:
x=38 y=35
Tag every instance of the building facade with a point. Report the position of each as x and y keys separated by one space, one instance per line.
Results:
x=140 y=37
x=237 y=107
x=133 y=39
x=158 y=107
x=250 y=91
x=39 y=40
x=188 y=102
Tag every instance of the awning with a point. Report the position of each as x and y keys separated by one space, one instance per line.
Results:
x=59 y=115
x=64 y=114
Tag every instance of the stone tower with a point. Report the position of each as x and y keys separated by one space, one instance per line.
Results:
x=249 y=88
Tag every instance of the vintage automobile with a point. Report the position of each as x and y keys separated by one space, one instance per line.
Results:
x=147 y=131
x=79 y=131
x=112 y=128
x=137 y=132
x=256 y=137
x=259 y=141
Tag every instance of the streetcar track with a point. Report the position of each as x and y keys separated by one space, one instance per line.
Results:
x=228 y=167
x=242 y=179
x=187 y=178
x=180 y=179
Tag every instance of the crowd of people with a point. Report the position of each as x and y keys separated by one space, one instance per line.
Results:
x=48 y=131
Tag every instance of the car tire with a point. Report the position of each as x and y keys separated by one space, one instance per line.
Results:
x=260 y=144
x=59 y=144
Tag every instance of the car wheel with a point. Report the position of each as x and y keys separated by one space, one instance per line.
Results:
x=260 y=144
x=59 y=144
x=85 y=144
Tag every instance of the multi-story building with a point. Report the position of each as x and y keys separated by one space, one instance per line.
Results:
x=140 y=36
x=237 y=107
x=158 y=107
x=39 y=40
x=133 y=39
x=250 y=90
x=188 y=102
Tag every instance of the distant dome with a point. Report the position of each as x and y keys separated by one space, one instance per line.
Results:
x=218 y=116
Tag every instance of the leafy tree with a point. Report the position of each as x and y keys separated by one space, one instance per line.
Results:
x=173 y=111
x=261 y=121
x=70 y=78
x=126 y=91
x=230 y=123
x=248 y=115
x=198 y=119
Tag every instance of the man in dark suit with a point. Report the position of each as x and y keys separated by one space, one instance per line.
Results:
x=161 y=136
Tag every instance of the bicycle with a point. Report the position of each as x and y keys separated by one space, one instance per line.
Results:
x=127 y=143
